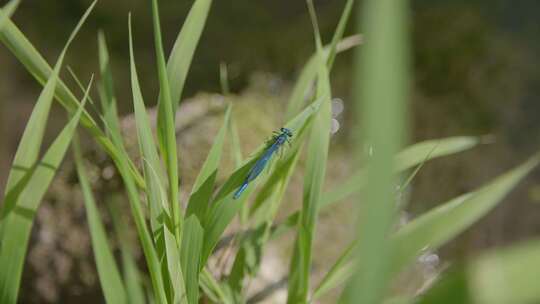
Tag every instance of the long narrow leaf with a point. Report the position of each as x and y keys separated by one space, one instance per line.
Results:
x=308 y=74
x=404 y=160
x=109 y=276
x=501 y=276
x=161 y=221
x=437 y=226
x=184 y=48
x=382 y=68
x=149 y=250
x=131 y=274
x=148 y=150
x=26 y=197
x=319 y=140
x=7 y=11
x=192 y=242
x=36 y=65
x=448 y=220
x=29 y=146
x=106 y=92
x=166 y=129
x=204 y=184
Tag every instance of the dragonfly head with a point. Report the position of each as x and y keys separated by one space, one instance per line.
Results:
x=287 y=132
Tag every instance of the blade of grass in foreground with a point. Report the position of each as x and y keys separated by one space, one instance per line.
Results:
x=204 y=184
x=7 y=11
x=150 y=254
x=36 y=65
x=507 y=275
x=30 y=144
x=5 y=14
x=148 y=150
x=160 y=214
x=406 y=159
x=437 y=226
x=310 y=70
x=131 y=275
x=317 y=149
x=109 y=276
x=26 y=197
x=212 y=289
x=382 y=82
x=184 y=48
x=152 y=258
x=300 y=92
x=165 y=123
x=192 y=242
x=445 y=222
x=106 y=93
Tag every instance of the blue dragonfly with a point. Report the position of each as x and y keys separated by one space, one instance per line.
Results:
x=277 y=141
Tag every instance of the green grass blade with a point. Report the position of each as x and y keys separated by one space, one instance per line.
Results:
x=382 y=68
x=29 y=146
x=174 y=267
x=299 y=276
x=204 y=184
x=106 y=92
x=308 y=74
x=151 y=255
x=404 y=160
x=148 y=150
x=160 y=215
x=213 y=289
x=412 y=155
x=184 y=48
x=26 y=197
x=192 y=242
x=109 y=276
x=338 y=34
x=224 y=79
x=501 y=276
x=409 y=157
x=131 y=274
x=338 y=273
x=437 y=226
x=235 y=142
x=7 y=11
x=451 y=288
x=448 y=220
x=507 y=275
x=36 y=65
x=166 y=129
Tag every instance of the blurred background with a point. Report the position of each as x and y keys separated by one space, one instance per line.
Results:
x=476 y=73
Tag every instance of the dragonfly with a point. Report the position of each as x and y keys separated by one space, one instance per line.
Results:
x=278 y=140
